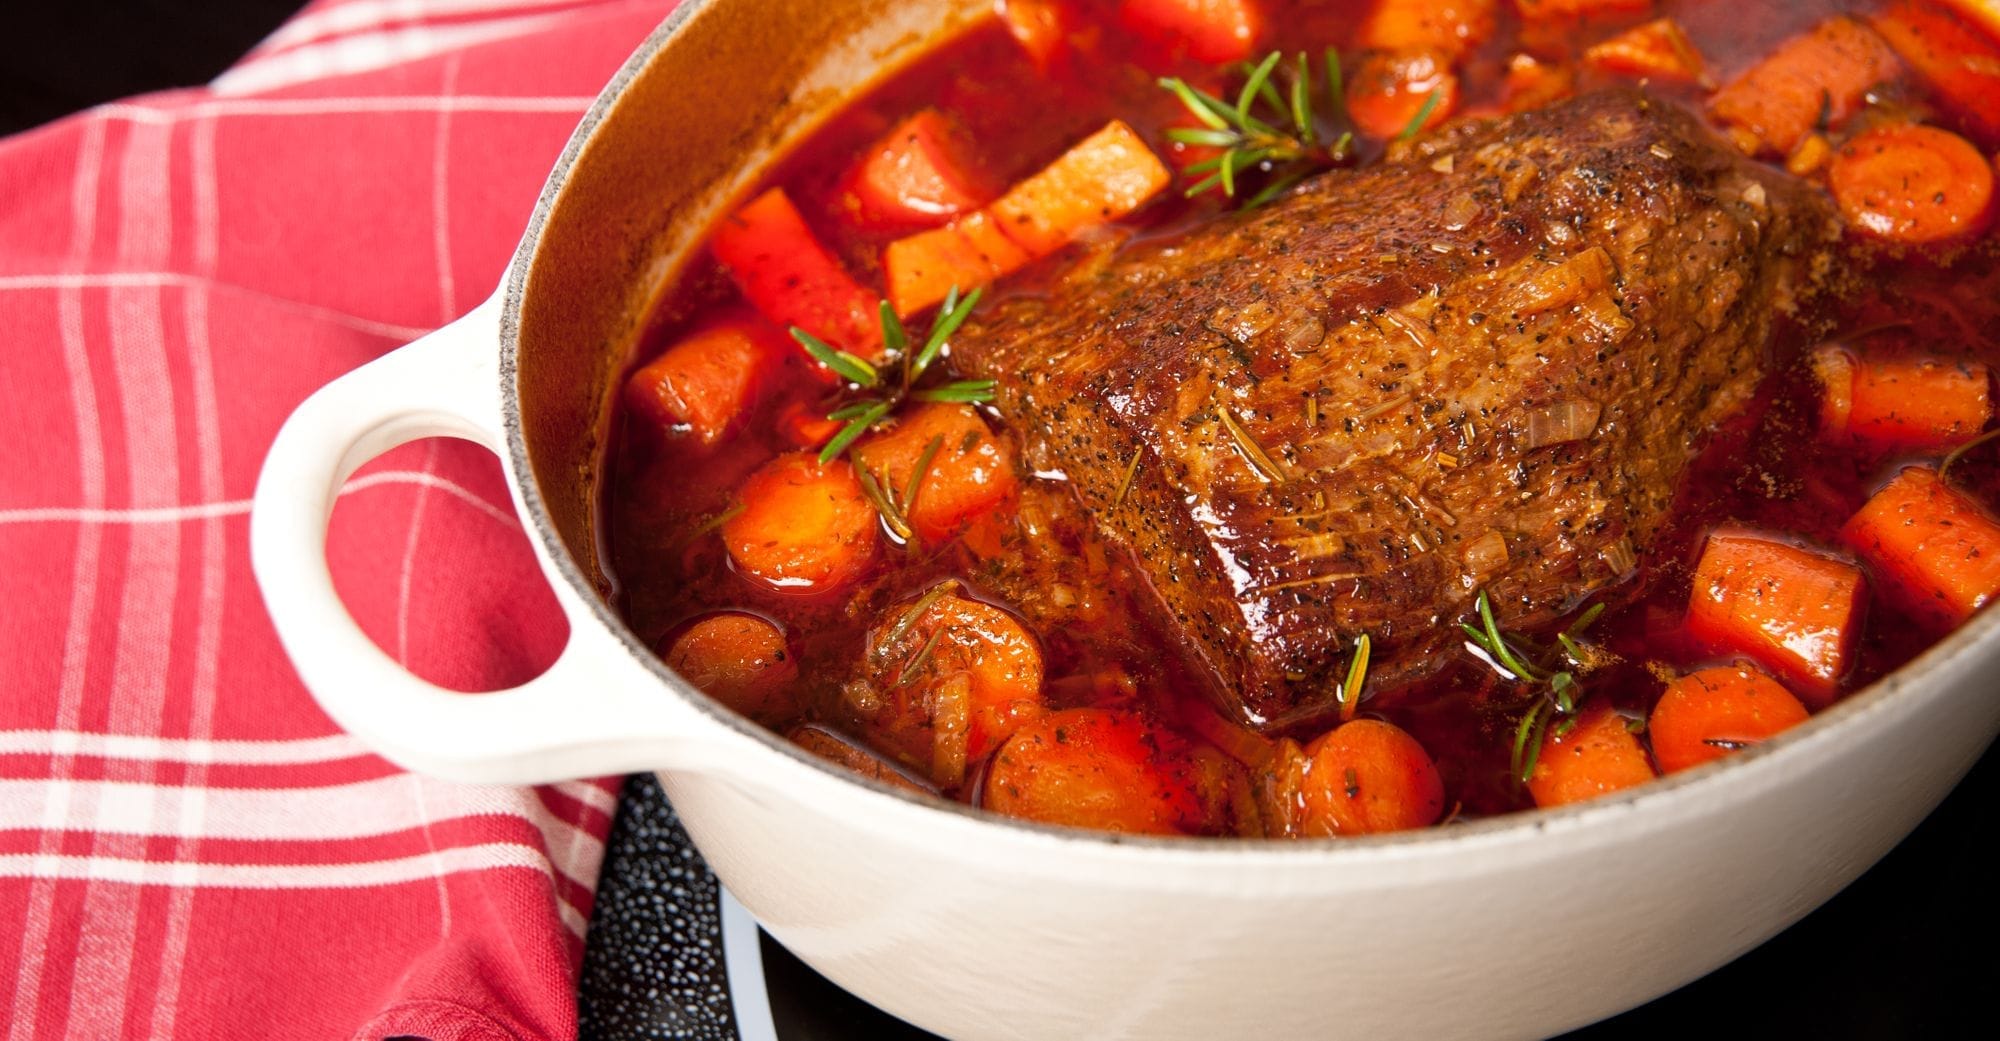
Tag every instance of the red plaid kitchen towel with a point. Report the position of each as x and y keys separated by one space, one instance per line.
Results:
x=190 y=847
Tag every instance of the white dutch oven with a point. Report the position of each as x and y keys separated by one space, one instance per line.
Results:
x=977 y=927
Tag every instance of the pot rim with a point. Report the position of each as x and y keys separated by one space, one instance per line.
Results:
x=1712 y=780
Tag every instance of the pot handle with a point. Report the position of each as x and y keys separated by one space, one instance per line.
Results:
x=596 y=711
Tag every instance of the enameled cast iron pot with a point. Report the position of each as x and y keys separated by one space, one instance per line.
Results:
x=975 y=926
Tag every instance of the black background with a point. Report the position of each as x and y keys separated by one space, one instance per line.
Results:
x=1909 y=951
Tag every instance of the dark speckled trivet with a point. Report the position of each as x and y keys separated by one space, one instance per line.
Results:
x=652 y=969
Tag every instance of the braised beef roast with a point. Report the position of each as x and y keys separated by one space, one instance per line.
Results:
x=1483 y=365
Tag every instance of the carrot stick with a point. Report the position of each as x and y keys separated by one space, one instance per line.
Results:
x=969 y=472
x=1212 y=31
x=804 y=527
x=1821 y=76
x=1597 y=756
x=1093 y=768
x=1449 y=27
x=704 y=382
x=1796 y=612
x=1709 y=714
x=1960 y=64
x=922 y=269
x=1934 y=547
x=1912 y=184
x=1101 y=178
x=1657 y=50
x=789 y=276
x=915 y=174
x=1894 y=403
x=806 y=425
x=1367 y=776
x=1982 y=13
x=738 y=659
x=1388 y=90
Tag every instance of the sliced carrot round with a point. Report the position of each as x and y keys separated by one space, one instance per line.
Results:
x=944 y=466
x=958 y=677
x=1093 y=768
x=1390 y=89
x=1597 y=756
x=738 y=659
x=1914 y=184
x=804 y=527
x=1368 y=776
x=1708 y=714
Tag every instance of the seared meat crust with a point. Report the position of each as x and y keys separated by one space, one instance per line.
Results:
x=1483 y=365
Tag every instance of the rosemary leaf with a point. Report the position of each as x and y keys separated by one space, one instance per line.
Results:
x=1944 y=468
x=852 y=409
x=850 y=367
x=1302 y=115
x=1204 y=137
x=1423 y=115
x=854 y=429
x=916 y=611
x=1204 y=107
x=891 y=514
x=950 y=316
x=917 y=472
x=973 y=392
x=1357 y=674
x=1253 y=86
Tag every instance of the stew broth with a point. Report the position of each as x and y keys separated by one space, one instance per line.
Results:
x=1088 y=613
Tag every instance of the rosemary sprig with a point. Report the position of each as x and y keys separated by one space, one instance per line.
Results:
x=1267 y=131
x=879 y=397
x=1556 y=692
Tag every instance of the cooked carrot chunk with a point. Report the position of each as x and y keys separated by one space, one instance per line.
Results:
x=915 y=173
x=1449 y=27
x=1891 y=403
x=1910 y=183
x=803 y=526
x=805 y=425
x=704 y=382
x=1960 y=64
x=1101 y=178
x=1387 y=90
x=1213 y=31
x=1041 y=27
x=1795 y=611
x=1532 y=83
x=969 y=471
x=1597 y=756
x=957 y=676
x=1937 y=549
x=738 y=659
x=1708 y=714
x=1547 y=10
x=1821 y=75
x=1093 y=768
x=924 y=268
x=786 y=274
x=1368 y=776
x=1657 y=50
